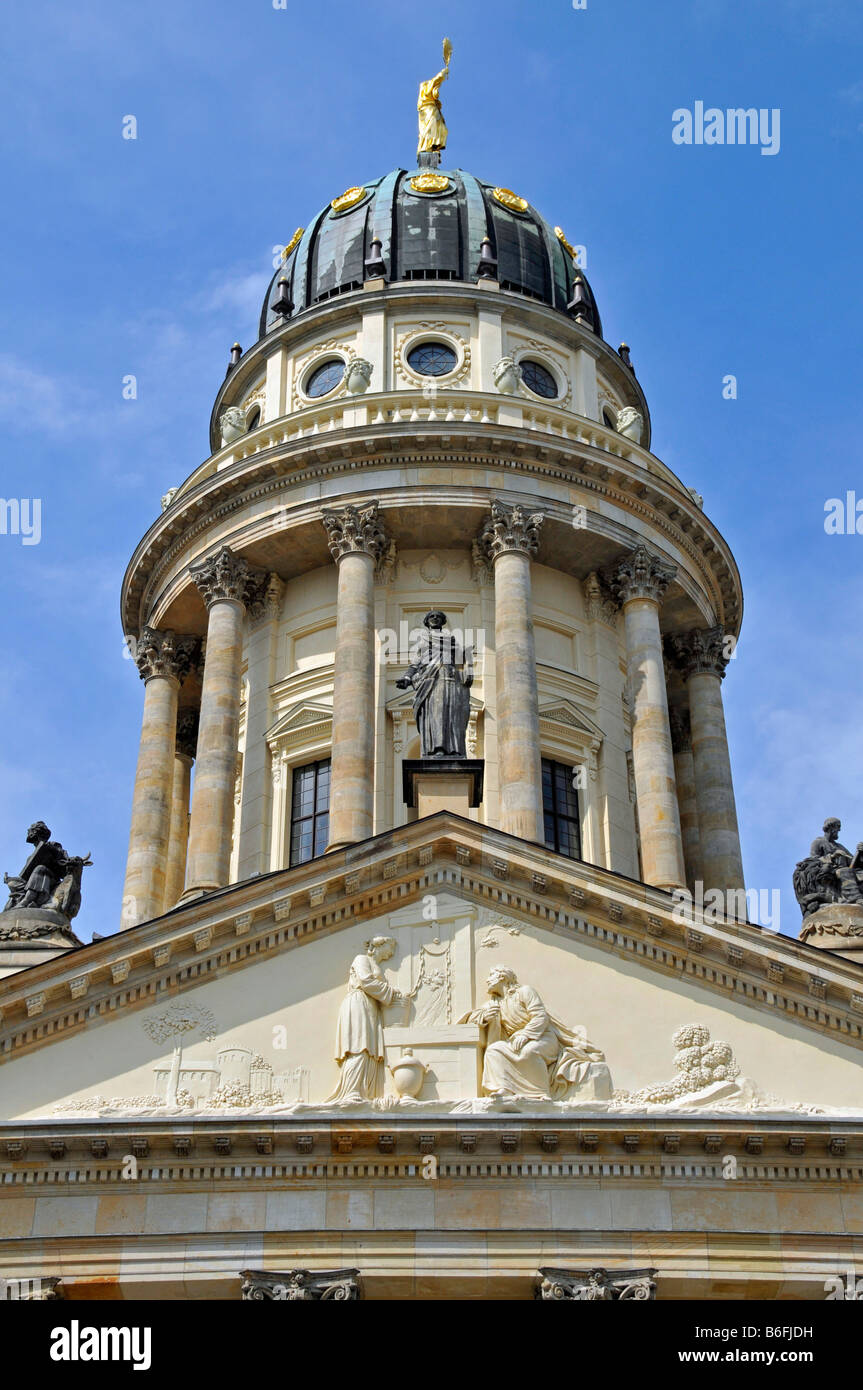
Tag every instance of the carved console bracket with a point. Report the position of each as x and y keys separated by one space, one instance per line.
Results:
x=596 y=1285
x=337 y=1284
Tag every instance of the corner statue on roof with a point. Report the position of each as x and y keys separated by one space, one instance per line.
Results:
x=50 y=878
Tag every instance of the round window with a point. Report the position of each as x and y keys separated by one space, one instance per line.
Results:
x=432 y=359
x=538 y=379
x=254 y=419
x=325 y=378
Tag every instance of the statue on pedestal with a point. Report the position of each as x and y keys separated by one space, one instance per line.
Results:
x=529 y=1053
x=441 y=691
x=50 y=878
x=831 y=874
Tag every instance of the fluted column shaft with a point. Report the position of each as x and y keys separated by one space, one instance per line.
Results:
x=508 y=539
x=701 y=654
x=162 y=659
x=227 y=585
x=639 y=580
x=357 y=543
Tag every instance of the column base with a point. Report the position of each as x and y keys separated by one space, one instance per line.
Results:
x=443 y=784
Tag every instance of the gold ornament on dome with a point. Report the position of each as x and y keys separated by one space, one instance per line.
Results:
x=348 y=199
x=508 y=199
x=429 y=183
x=561 y=236
x=292 y=243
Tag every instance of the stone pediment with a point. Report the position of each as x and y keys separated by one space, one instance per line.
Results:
x=298 y=722
x=565 y=712
x=756 y=1014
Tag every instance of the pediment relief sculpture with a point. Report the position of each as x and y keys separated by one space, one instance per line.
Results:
x=528 y=1053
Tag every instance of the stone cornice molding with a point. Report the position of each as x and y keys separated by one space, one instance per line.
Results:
x=775 y=974
x=700 y=652
x=226 y=577
x=217 y=498
x=356 y=530
x=640 y=574
x=509 y=527
x=71 y=1153
x=165 y=654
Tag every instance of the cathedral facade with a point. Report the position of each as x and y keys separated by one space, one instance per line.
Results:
x=414 y=994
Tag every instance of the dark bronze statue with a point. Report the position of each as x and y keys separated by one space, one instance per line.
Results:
x=831 y=874
x=51 y=878
x=441 y=691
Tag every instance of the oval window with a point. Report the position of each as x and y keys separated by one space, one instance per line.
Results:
x=538 y=379
x=432 y=359
x=325 y=378
x=254 y=419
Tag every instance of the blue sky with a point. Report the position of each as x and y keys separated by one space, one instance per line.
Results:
x=151 y=256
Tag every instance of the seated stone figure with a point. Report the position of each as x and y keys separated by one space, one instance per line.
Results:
x=50 y=878
x=529 y=1053
x=831 y=872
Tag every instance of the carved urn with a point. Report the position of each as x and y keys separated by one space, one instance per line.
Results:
x=408 y=1074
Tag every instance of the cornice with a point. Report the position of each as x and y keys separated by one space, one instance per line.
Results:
x=63 y=1154
x=612 y=478
x=243 y=924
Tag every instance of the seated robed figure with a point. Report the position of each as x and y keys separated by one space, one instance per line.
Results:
x=528 y=1052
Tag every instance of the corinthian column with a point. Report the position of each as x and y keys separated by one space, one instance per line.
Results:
x=184 y=757
x=508 y=539
x=357 y=542
x=639 y=581
x=687 y=803
x=227 y=585
x=163 y=659
x=702 y=660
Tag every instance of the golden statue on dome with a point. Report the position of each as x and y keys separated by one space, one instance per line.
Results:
x=432 y=127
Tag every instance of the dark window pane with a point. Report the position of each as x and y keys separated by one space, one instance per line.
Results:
x=325 y=378
x=560 y=809
x=538 y=379
x=432 y=359
x=310 y=821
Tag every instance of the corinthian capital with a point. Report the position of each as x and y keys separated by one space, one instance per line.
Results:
x=699 y=651
x=355 y=529
x=509 y=528
x=228 y=576
x=640 y=574
x=164 y=654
